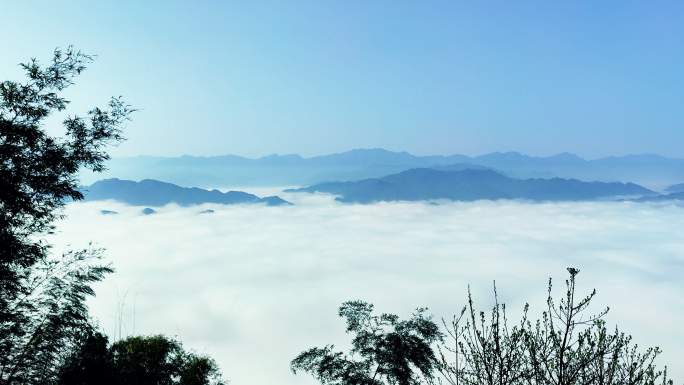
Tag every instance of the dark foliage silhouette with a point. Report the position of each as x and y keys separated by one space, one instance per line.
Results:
x=566 y=346
x=154 y=360
x=48 y=317
x=38 y=171
x=45 y=333
x=385 y=350
x=90 y=362
x=42 y=296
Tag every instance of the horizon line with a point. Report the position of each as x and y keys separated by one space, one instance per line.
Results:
x=359 y=149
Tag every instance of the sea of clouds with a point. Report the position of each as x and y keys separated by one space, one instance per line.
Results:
x=253 y=286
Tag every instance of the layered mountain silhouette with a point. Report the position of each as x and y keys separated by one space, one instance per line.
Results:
x=282 y=170
x=675 y=188
x=153 y=193
x=470 y=185
x=679 y=196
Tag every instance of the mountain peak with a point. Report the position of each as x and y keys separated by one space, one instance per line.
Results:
x=567 y=156
x=422 y=184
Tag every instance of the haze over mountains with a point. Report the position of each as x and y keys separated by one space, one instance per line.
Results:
x=472 y=185
x=652 y=171
x=679 y=196
x=677 y=188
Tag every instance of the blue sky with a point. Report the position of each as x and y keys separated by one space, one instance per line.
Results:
x=312 y=77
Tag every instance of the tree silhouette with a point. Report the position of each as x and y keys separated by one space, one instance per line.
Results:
x=91 y=362
x=385 y=350
x=45 y=333
x=154 y=360
x=37 y=171
x=42 y=296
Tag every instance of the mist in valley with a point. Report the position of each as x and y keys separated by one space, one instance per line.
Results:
x=253 y=285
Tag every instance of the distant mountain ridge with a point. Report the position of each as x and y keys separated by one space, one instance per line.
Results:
x=471 y=185
x=280 y=170
x=678 y=196
x=154 y=193
x=675 y=188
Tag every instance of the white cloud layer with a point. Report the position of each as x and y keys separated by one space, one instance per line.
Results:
x=253 y=286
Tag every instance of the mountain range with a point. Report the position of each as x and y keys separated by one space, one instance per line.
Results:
x=675 y=188
x=470 y=185
x=653 y=171
x=678 y=196
x=154 y=193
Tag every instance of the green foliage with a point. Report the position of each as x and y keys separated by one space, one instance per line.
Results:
x=153 y=360
x=385 y=350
